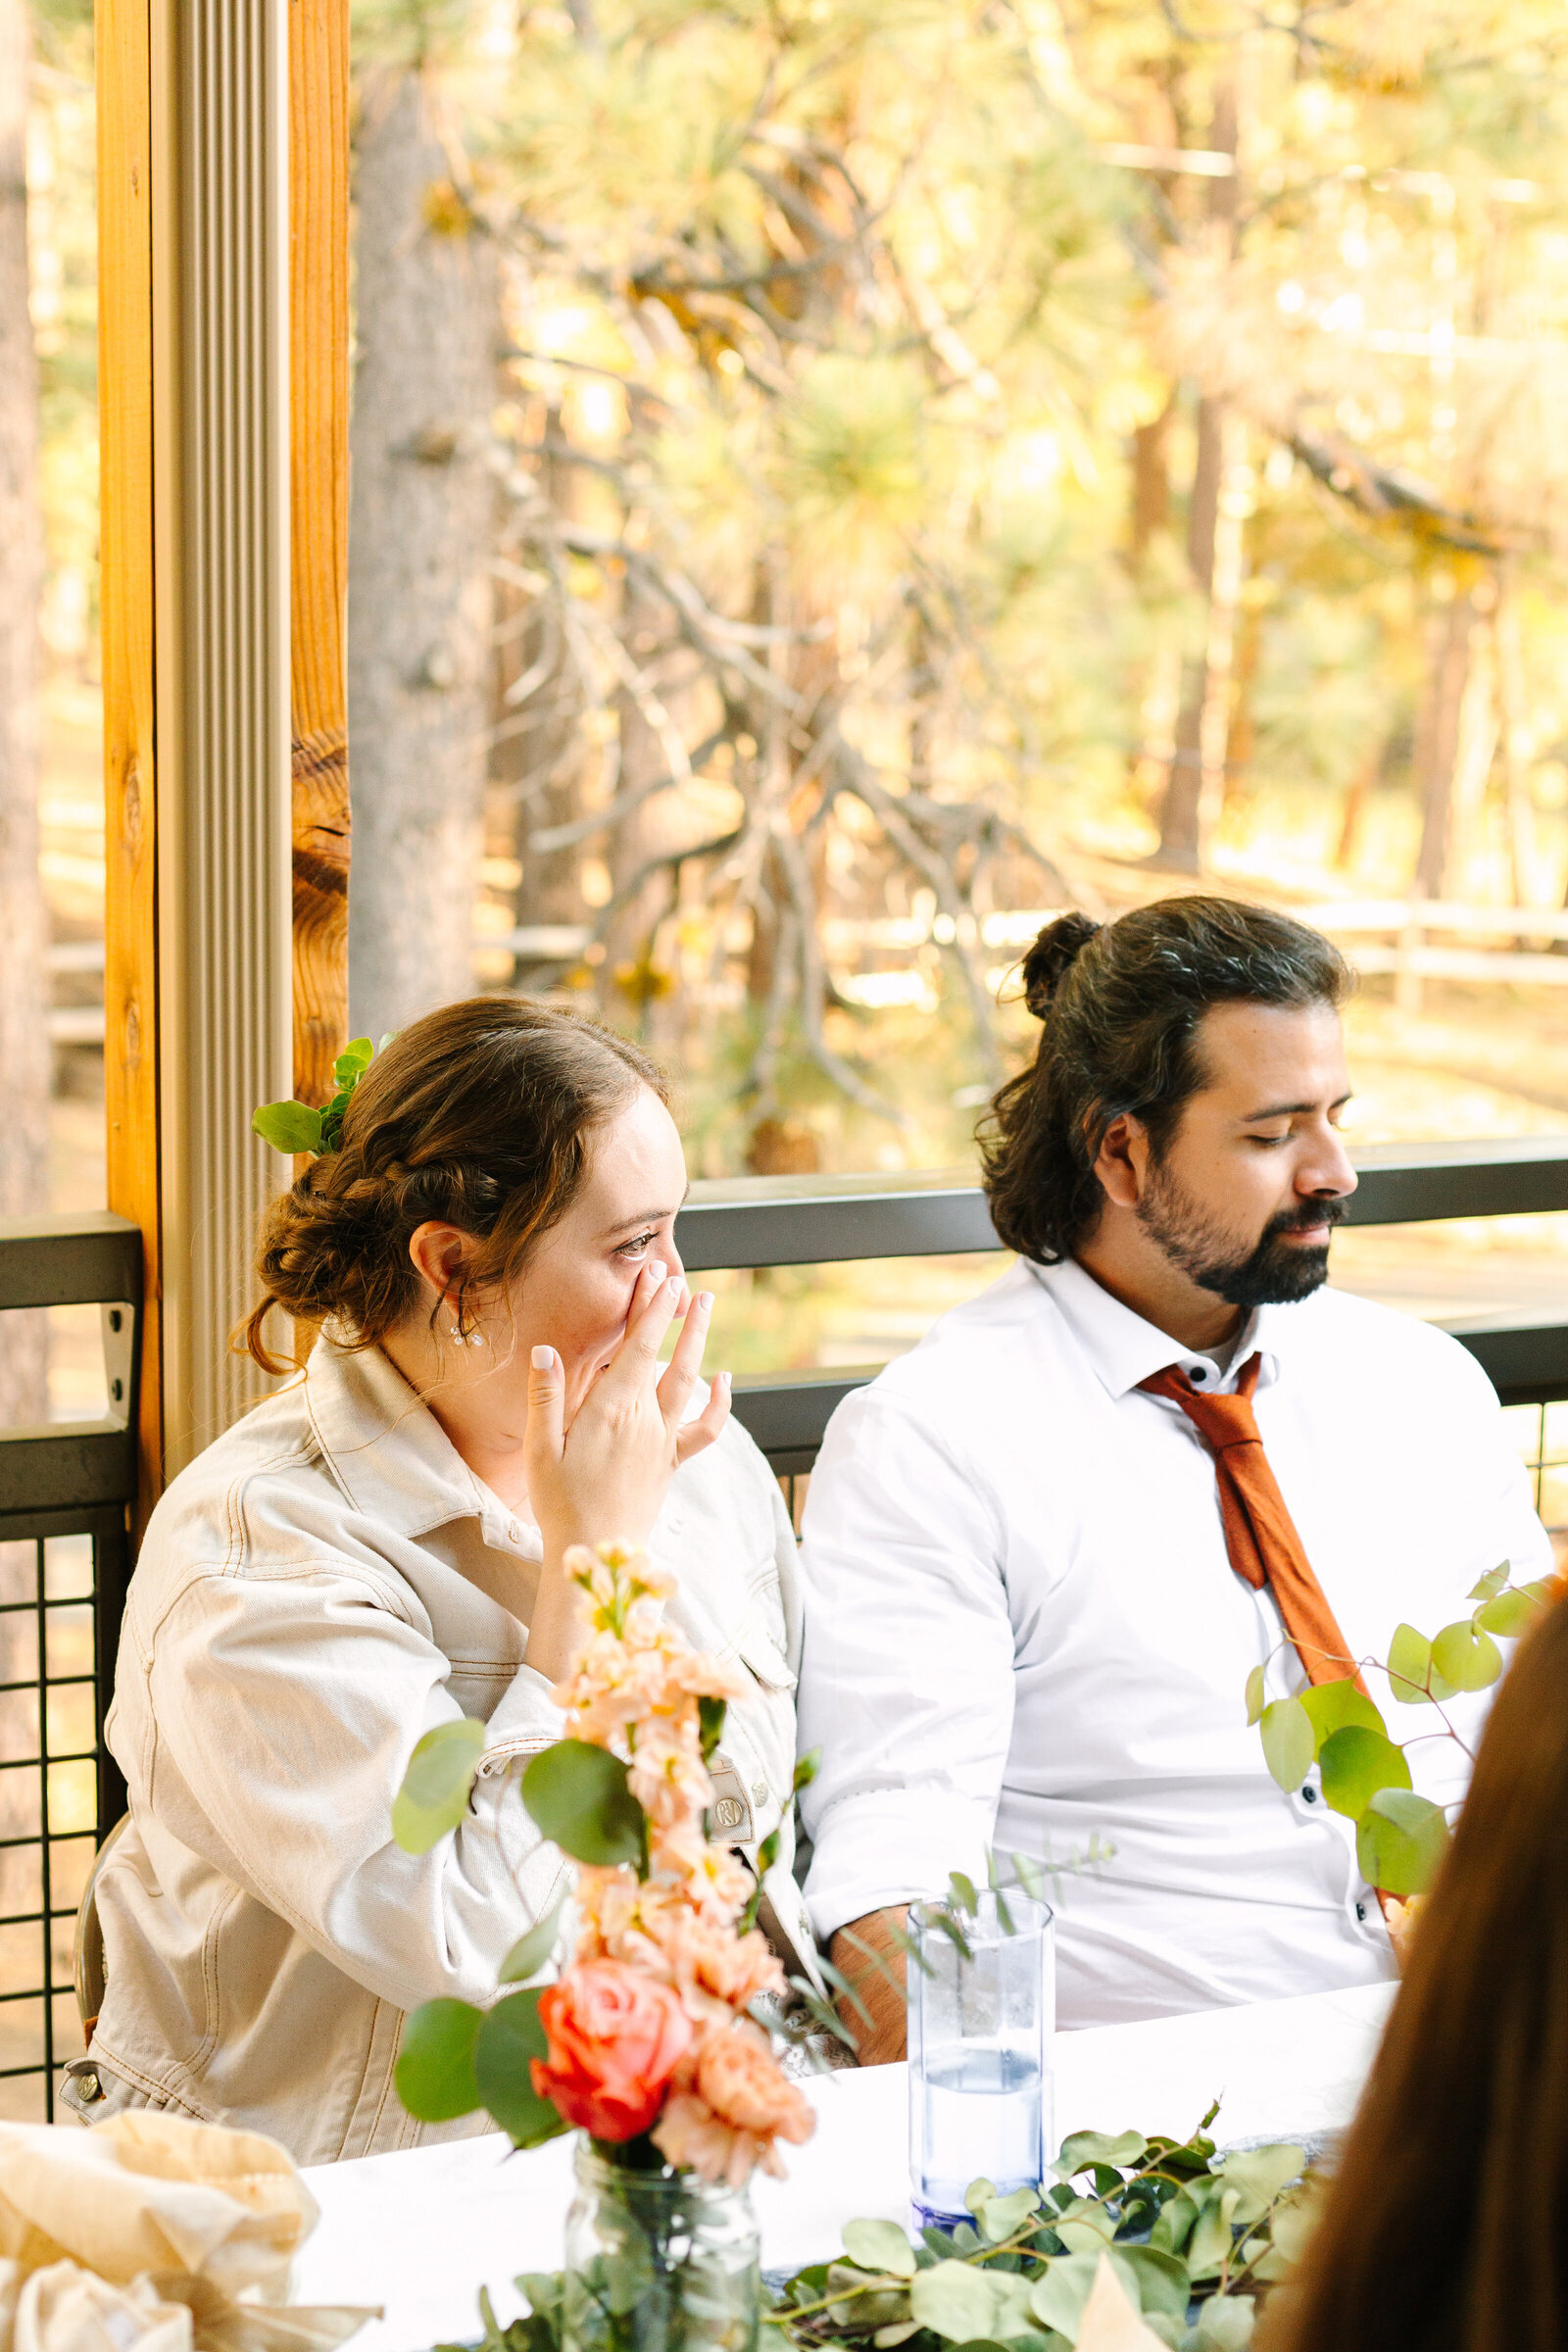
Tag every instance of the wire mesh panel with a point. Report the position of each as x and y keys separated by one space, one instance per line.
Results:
x=62 y=1584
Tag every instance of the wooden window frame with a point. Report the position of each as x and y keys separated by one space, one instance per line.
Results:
x=224 y=386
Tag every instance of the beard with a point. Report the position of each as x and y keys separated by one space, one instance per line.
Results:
x=1273 y=1272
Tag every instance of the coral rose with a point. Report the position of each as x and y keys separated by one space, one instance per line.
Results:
x=614 y=2039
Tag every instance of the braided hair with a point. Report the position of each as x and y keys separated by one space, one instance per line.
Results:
x=480 y=1117
x=1120 y=1005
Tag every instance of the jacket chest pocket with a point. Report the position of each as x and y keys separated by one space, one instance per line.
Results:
x=479 y=1684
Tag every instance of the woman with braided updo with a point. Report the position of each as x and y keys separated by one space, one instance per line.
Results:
x=488 y=1258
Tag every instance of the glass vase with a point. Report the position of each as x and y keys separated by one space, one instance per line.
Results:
x=982 y=1995
x=657 y=2261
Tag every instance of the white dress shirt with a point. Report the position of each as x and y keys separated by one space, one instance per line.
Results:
x=1023 y=1630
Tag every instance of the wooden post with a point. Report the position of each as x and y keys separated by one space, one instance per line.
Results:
x=130 y=843
x=319 y=472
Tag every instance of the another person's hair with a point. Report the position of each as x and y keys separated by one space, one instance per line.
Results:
x=1444 y=2225
x=1122 y=1003
x=478 y=1116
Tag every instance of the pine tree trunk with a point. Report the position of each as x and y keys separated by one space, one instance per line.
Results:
x=421 y=534
x=1438 y=740
x=24 y=933
x=1194 y=784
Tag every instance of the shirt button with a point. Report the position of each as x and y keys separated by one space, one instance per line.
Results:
x=1198 y=1373
x=758 y=1792
x=1361 y=1913
x=1309 y=1796
x=513 y=1531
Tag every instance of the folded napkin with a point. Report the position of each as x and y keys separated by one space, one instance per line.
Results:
x=150 y=2233
x=1110 y=2323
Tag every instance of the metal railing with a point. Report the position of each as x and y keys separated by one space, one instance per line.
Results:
x=816 y=1220
x=65 y=1491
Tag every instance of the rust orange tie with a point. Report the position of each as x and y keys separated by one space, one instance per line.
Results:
x=1260 y=1533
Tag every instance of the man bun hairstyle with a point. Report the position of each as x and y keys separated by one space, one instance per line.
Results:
x=480 y=1117
x=1120 y=1005
x=1050 y=956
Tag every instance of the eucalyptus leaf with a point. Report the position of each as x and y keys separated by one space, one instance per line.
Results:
x=1225 y=2324
x=1161 y=2280
x=354 y=1058
x=886 y=2337
x=1410 y=1666
x=1491 y=1582
x=1261 y=2174
x=289 y=1127
x=1175 y=2223
x=435 y=2074
x=957 y=2301
x=530 y=1952
x=1289 y=1741
x=1400 y=1840
x=1030 y=1876
x=710 y=1713
x=508 y=2037
x=1357 y=1763
x=879 y=2247
x=1466 y=1658
x=1511 y=1615
x=1210 y=2245
x=1331 y=1706
x=999 y=2217
x=1084 y=2148
x=579 y=1795
x=963 y=1896
x=1257 y=1693
x=872 y=2298
x=434 y=1795
x=807 y=1769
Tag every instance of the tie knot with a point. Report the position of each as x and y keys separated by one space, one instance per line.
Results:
x=1223 y=1421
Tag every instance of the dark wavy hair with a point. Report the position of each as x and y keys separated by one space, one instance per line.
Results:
x=480 y=1117
x=1121 y=1005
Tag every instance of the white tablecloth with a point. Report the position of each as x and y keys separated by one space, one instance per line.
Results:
x=421 y=2234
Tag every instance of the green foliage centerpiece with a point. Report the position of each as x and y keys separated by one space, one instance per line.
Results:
x=1193 y=2241
x=646 y=2042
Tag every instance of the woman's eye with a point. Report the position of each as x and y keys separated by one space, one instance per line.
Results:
x=1271 y=1142
x=636 y=1248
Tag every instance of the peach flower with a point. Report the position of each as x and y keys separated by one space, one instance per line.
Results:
x=728 y=2106
x=668 y=1778
x=614 y=2039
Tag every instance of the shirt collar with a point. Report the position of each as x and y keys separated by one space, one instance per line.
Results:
x=390 y=1454
x=1125 y=1350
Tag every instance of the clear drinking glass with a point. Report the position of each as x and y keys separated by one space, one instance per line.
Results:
x=982 y=2013
x=658 y=2262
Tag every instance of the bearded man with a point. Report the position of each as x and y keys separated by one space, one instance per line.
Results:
x=1043 y=1551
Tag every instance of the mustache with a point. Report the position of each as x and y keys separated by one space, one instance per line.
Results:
x=1329 y=1212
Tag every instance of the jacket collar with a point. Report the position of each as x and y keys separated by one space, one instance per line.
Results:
x=390 y=1454
x=1124 y=1348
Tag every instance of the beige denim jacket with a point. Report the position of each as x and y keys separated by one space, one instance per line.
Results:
x=325 y=1584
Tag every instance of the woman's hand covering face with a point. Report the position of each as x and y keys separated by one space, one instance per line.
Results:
x=602 y=1476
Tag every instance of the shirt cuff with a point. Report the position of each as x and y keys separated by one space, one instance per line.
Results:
x=526 y=1721
x=891 y=1846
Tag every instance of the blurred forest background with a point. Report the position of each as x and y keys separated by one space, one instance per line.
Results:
x=835 y=481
